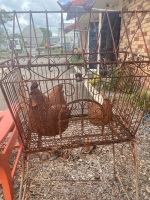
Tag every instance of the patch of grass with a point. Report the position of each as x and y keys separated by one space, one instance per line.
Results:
x=141 y=100
x=5 y=52
x=56 y=50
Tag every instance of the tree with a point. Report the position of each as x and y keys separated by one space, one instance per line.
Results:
x=46 y=33
x=4 y=17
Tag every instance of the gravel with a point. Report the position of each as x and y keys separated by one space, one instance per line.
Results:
x=82 y=174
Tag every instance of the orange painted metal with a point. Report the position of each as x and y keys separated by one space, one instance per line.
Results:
x=9 y=140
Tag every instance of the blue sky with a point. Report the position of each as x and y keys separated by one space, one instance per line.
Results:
x=64 y=1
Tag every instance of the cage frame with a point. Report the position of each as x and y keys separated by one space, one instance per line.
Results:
x=29 y=63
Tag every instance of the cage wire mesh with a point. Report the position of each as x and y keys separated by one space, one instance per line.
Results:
x=93 y=78
x=91 y=88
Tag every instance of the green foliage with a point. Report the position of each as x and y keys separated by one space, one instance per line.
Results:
x=75 y=58
x=144 y=100
x=56 y=50
x=139 y=99
x=95 y=80
x=118 y=80
x=5 y=17
x=46 y=33
x=124 y=81
x=111 y=84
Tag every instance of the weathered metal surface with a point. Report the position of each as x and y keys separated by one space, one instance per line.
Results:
x=89 y=76
x=122 y=80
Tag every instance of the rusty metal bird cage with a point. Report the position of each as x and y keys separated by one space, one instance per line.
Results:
x=90 y=90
